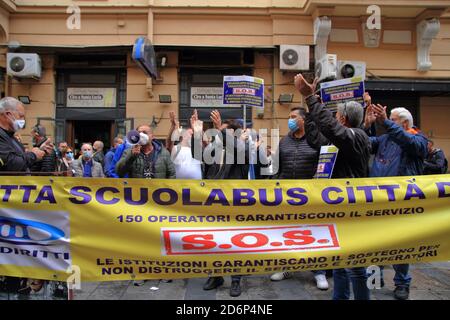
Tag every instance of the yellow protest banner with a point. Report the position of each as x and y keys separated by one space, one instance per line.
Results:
x=121 y=229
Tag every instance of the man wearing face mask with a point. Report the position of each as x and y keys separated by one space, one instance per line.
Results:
x=14 y=160
x=48 y=163
x=296 y=158
x=86 y=166
x=99 y=156
x=13 y=157
x=223 y=169
x=148 y=159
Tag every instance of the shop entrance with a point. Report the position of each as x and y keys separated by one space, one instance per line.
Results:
x=81 y=131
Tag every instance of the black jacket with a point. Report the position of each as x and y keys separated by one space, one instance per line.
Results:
x=435 y=163
x=100 y=157
x=353 y=143
x=48 y=162
x=12 y=154
x=219 y=168
x=295 y=158
x=226 y=170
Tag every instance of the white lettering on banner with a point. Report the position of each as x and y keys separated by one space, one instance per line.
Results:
x=179 y=241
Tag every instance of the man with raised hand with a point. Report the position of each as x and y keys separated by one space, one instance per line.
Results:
x=344 y=131
x=401 y=151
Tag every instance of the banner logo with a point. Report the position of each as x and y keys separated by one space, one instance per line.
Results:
x=28 y=232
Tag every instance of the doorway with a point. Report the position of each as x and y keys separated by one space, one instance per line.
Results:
x=81 y=131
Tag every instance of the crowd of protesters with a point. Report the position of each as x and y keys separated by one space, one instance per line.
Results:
x=401 y=150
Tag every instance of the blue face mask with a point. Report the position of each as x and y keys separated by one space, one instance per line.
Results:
x=87 y=154
x=292 y=123
x=70 y=155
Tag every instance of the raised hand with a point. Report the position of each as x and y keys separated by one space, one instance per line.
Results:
x=367 y=99
x=216 y=119
x=47 y=146
x=196 y=125
x=370 y=116
x=245 y=134
x=173 y=120
x=194 y=117
x=304 y=87
x=380 y=112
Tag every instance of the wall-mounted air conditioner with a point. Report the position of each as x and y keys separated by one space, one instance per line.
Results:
x=24 y=65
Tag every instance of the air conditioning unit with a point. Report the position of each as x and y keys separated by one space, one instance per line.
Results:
x=294 y=57
x=326 y=67
x=24 y=65
x=350 y=69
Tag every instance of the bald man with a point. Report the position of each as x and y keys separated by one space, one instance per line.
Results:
x=148 y=159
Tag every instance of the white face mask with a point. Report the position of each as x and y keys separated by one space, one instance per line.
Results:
x=18 y=124
x=144 y=139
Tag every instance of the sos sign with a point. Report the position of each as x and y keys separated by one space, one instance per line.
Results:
x=182 y=241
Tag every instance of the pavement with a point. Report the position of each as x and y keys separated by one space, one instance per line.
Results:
x=431 y=281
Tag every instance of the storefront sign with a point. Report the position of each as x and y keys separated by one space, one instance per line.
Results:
x=207 y=97
x=91 y=97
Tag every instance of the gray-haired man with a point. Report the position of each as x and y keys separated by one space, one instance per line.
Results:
x=12 y=154
x=352 y=162
x=13 y=160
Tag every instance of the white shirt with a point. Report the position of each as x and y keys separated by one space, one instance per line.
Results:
x=186 y=166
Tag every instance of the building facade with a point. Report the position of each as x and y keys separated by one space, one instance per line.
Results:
x=92 y=89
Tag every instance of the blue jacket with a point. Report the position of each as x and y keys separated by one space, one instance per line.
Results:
x=398 y=153
x=111 y=169
x=109 y=156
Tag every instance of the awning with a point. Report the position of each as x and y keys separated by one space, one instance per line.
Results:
x=409 y=85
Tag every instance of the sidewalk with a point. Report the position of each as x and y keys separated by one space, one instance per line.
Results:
x=431 y=281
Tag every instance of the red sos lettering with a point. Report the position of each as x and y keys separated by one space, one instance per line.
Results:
x=198 y=241
x=206 y=241
x=303 y=236
x=249 y=239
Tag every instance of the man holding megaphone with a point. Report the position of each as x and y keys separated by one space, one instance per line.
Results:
x=147 y=158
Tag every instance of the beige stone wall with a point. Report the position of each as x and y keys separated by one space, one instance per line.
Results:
x=4 y=26
x=141 y=106
x=395 y=60
x=257 y=29
x=276 y=82
x=215 y=23
x=42 y=95
x=435 y=119
x=96 y=30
